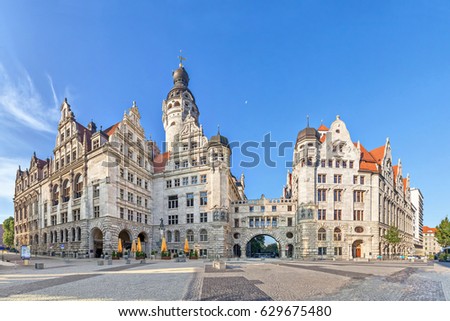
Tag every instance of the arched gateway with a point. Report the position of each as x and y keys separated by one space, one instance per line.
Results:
x=263 y=246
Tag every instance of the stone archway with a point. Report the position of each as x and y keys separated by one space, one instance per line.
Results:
x=97 y=241
x=144 y=242
x=263 y=246
x=357 y=248
x=125 y=236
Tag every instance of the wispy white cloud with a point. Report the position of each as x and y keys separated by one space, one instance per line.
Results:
x=21 y=103
x=55 y=99
x=8 y=169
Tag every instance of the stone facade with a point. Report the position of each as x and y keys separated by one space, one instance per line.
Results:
x=104 y=185
x=430 y=244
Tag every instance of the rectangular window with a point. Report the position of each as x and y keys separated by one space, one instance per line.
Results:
x=203 y=198
x=338 y=215
x=122 y=194
x=203 y=217
x=338 y=251
x=169 y=183
x=322 y=251
x=96 y=190
x=64 y=217
x=185 y=146
x=321 y=195
x=203 y=160
x=131 y=177
x=177 y=165
x=289 y=208
x=139 y=200
x=122 y=212
x=146 y=203
x=190 y=199
x=251 y=208
x=96 y=144
x=358 y=215
x=130 y=215
x=355 y=179
x=337 y=163
x=322 y=163
x=236 y=222
x=289 y=221
x=236 y=209
x=193 y=145
x=185 y=181
x=176 y=182
x=96 y=211
x=190 y=218
x=338 y=195
x=138 y=181
x=194 y=180
x=185 y=164
x=263 y=208
x=203 y=252
x=330 y=163
x=358 y=196
x=274 y=222
x=274 y=208
x=203 y=179
x=145 y=184
x=321 y=214
x=251 y=222
x=130 y=197
x=351 y=164
x=321 y=178
x=121 y=172
x=344 y=164
x=194 y=162
x=76 y=215
x=53 y=219
x=145 y=219
x=337 y=179
x=173 y=219
x=139 y=217
x=361 y=180
x=173 y=201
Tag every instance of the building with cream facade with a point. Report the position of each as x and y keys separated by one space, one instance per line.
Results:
x=102 y=185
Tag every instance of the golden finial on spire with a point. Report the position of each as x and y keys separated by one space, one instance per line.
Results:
x=181 y=59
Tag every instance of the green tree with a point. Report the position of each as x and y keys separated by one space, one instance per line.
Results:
x=8 y=231
x=392 y=236
x=443 y=233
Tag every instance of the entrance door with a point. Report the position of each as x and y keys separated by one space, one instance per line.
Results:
x=358 y=251
x=357 y=248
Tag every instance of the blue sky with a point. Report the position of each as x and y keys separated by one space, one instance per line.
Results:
x=256 y=67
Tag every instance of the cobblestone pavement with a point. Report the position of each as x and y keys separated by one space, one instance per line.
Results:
x=266 y=280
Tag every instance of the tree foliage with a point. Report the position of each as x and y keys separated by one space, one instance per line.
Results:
x=443 y=233
x=8 y=231
x=392 y=236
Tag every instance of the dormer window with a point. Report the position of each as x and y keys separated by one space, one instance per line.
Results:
x=96 y=144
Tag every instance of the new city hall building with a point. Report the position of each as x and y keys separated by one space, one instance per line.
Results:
x=105 y=184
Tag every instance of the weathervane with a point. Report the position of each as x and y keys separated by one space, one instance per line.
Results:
x=181 y=59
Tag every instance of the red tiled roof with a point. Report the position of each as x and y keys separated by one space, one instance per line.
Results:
x=322 y=128
x=160 y=161
x=427 y=229
x=395 y=169
x=110 y=130
x=367 y=162
x=378 y=154
x=322 y=139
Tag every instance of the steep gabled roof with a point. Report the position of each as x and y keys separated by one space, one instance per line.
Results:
x=112 y=129
x=395 y=169
x=367 y=162
x=160 y=161
x=378 y=154
x=427 y=229
x=322 y=128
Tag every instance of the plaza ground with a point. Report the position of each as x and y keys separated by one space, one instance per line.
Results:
x=252 y=279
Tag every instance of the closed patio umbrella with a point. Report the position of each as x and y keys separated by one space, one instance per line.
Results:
x=163 y=245
x=119 y=246
x=186 y=246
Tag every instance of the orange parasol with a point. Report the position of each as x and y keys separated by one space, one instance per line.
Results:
x=139 y=245
x=163 y=245
x=133 y=247
x=186 y=246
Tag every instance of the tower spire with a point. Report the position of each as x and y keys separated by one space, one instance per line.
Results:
x=181 y=58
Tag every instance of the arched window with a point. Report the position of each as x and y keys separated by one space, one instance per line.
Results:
x=169 y=106
x=44 y=238
x=190 y=236
x=66 y=235
x=177 y=236
x=78 y=233
x=337 y=234
x=78 y=186
x=66 y=191
x=322 y=235
x=177 y=103
x=203 y=235
x=74 y=236
x=55 y=195
x=61 y=236
x=169 y=236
